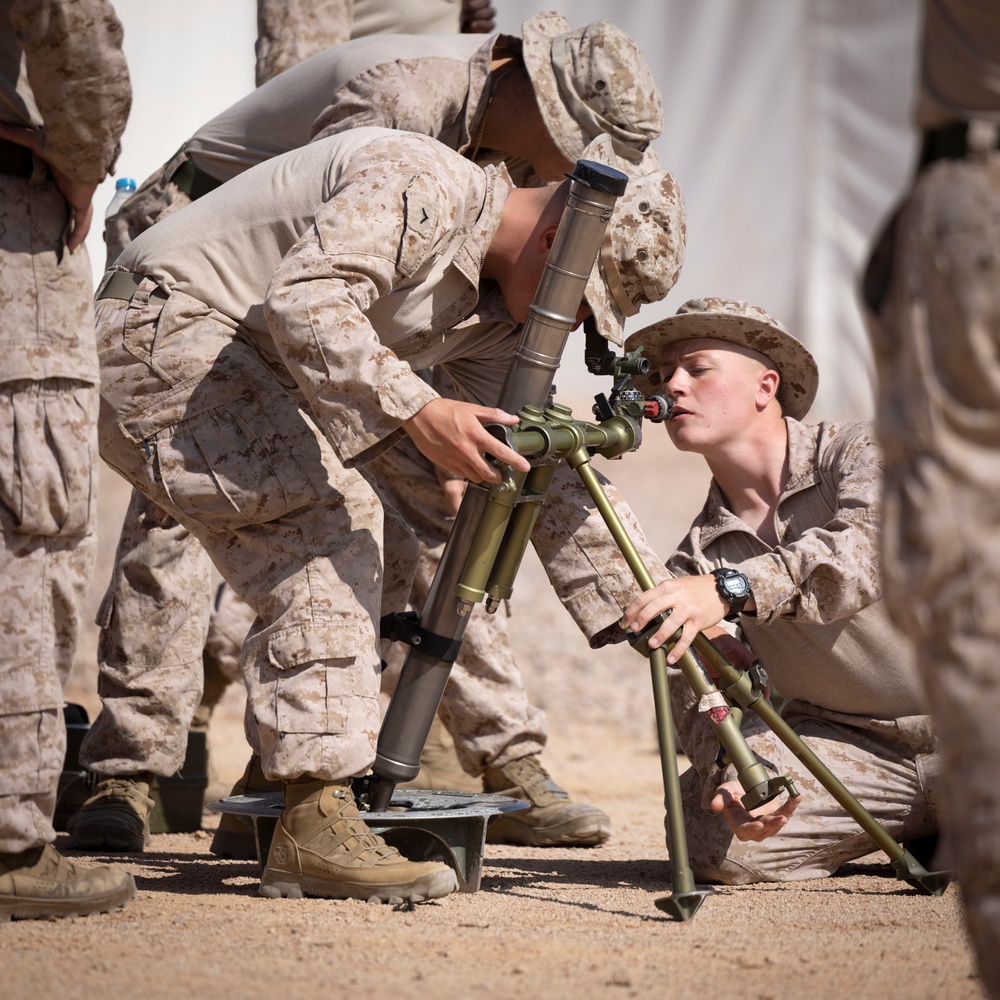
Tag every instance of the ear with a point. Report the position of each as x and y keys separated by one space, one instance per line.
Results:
x=546 y=238
x=768 y=388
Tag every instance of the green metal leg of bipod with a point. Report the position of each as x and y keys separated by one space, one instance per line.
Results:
x=683 y=903
x=733 y=683
x=685 y=899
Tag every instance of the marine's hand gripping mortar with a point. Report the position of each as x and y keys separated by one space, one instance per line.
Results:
x=492 y=530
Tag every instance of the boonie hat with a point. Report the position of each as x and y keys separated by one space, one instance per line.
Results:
x=738 y=323
x=643 y=247
x=592 y=81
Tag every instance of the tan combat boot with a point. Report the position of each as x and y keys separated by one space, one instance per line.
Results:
x=115 y=817
x=552 y=819
x=234 y=838
x=39 y=884
x=322 y=847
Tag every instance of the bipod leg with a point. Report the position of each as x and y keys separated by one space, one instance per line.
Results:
x=736 y=686
x=683 y=903
x=685 y=899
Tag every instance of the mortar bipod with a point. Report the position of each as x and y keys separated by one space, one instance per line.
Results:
x=736 y=687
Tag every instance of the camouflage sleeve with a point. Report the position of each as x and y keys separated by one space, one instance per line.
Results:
x=590 y=575
x=826 y=572
x=829 y=571
x=369 y=241
x=77 y=73
x=421 y=95
x=289 y=31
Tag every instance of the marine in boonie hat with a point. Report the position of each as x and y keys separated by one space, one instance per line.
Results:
x=737 y=323
x=593 y=81
x=643 y=247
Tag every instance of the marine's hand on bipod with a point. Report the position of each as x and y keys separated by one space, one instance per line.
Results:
x=759 y=824
x=452 y=434
x=693 y=604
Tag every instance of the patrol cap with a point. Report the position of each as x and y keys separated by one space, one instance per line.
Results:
x=643 y=247
x=589 y=82
x=738 y=323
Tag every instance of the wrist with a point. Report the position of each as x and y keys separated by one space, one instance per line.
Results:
x=734 y=589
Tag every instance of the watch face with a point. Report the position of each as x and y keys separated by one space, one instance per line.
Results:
x=737 y=586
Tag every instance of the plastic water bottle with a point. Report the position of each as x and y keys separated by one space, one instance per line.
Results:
x=124 y=189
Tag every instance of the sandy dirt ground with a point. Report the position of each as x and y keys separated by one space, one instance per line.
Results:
x=560 y=923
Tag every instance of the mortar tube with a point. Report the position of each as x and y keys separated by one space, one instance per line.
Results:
x=594 y=188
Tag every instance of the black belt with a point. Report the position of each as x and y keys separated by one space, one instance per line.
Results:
x=123 y=285
x=192 y=181
x=947 y=143
x=15 y=159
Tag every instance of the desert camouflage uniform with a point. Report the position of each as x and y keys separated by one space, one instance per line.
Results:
x=153 y=627
x=426 y=84
x=849 y=678
x=937 y=348
x=48 y=376
x=289 y=31
x=211 y=419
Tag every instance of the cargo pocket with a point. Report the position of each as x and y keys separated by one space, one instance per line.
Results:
x=325 y=678
x=35 y=748
x=217 y=468
x=48 y=456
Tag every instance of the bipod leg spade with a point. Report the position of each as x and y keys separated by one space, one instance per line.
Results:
x=685 y=899
x=737 y=687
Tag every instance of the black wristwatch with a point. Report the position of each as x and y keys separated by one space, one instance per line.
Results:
x=733 y=588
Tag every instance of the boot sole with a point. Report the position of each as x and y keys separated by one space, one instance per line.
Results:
x=48 y=909
x=577 y=833
x=107 y=838
x=275 y=884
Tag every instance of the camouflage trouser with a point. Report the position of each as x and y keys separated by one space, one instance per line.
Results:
x=308 y=593
x=154 y=618
x=154 y=621
x=297 y=535
x=48 y=455
x=937 y=344
x=156 y=631
x=289 y=31
x=48 y=502
x=891 y=767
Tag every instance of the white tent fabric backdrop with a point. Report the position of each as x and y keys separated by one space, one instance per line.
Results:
x=786 y=123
